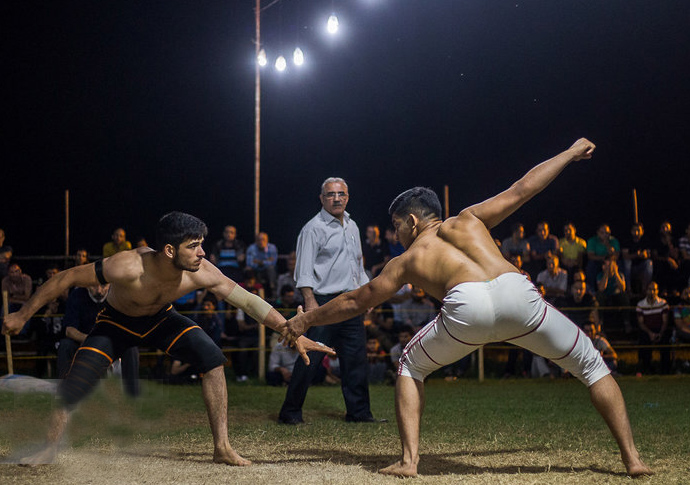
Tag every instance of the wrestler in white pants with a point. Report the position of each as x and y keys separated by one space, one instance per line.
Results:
x=506 y=309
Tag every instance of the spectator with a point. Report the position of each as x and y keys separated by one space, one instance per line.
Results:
x=18 y=287
x=81 y=257
x=374 y=252
x=288 y=278
x=376 y=359
x=286 y=304
x=5 y=255
x=329 y=262
x=598 y=247
x=611 y=293
x=48 y=328
x=516 y=260
x=141 y=242
x=404 y=336
x=119 y=243
x=652 y=318
x=394 y=246
x=554 y=279
x=681 y=317
x=637 y=262
x=604 y=347
x=666 y=258
x=418 y=310
x=209 y=320
x=262 y=257
x=244 y=359
x=542 y=244
x=516 y=244
x=572 y=249
x=81 y=308
x=229 y=254
x=580 y=305
x=684 y=249
x=281 y=363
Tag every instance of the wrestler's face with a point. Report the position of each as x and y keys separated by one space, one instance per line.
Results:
x=403 y=229
x=188 y=255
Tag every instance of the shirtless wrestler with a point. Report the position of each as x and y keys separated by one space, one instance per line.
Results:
x=485 y=299
x=143 y=282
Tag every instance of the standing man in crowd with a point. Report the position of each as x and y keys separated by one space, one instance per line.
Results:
x=137 y=311
x=329 y=262
x=485 y=300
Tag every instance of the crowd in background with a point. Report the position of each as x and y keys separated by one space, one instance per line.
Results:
x=632 y=289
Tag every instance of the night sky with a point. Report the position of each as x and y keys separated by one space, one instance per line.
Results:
x=139 y=108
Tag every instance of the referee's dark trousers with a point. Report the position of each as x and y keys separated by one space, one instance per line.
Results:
x=348 y=338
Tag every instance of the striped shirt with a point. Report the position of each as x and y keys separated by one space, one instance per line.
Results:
x=653 y=313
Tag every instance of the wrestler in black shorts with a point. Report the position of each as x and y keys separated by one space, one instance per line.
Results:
x=115 y=332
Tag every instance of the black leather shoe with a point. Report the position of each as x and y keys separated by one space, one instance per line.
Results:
x=291 y=421
x=369 y=419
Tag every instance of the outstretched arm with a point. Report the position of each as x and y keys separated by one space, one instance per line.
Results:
x=84 y=275
x=258 y=309
x=492 y=211
x=352 y=303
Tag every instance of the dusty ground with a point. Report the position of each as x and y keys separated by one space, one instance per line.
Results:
x=168 y=463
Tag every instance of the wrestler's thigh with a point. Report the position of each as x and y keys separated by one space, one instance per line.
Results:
x=553 y=339
x=431 y=349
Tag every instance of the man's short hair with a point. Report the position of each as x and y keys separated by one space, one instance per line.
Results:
x=332 y=180
x=421 y=201
x=177 y=227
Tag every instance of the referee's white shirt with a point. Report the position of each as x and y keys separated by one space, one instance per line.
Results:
x=329 y=255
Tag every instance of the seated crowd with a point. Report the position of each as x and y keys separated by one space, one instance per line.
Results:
x=635 y=290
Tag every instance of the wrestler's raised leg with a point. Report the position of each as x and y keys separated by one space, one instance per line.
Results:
x=608 y=400
x=56 y=429
x=215 y=391
x=409 y=405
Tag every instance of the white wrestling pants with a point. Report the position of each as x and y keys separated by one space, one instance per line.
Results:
x=506 y=309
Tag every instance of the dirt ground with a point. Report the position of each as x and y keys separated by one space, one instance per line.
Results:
x=173 y=463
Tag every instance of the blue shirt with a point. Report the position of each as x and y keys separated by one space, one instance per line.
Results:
x=261 y=258
x=329 y=255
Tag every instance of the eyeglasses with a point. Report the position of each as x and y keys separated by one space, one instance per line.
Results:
x=332 y=195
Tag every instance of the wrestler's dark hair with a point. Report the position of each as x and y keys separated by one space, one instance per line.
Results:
x=177 y=227
x=420 y=201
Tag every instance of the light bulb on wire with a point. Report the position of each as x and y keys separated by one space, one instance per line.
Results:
x=261 y=58
x=298 y=57
x=281 y=63
x=333 y=24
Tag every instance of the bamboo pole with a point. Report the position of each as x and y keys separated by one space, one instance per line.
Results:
x=8 y=342
x=635 y=206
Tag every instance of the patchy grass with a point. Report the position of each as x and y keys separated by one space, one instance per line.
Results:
x=507 y=431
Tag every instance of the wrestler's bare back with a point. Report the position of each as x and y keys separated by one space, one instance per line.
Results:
x=141 y=283
x=451 y=252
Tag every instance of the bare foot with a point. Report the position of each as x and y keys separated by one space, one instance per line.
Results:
x=399 y=469
x=639 y=470
x=230 y=457
x=45 y=456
